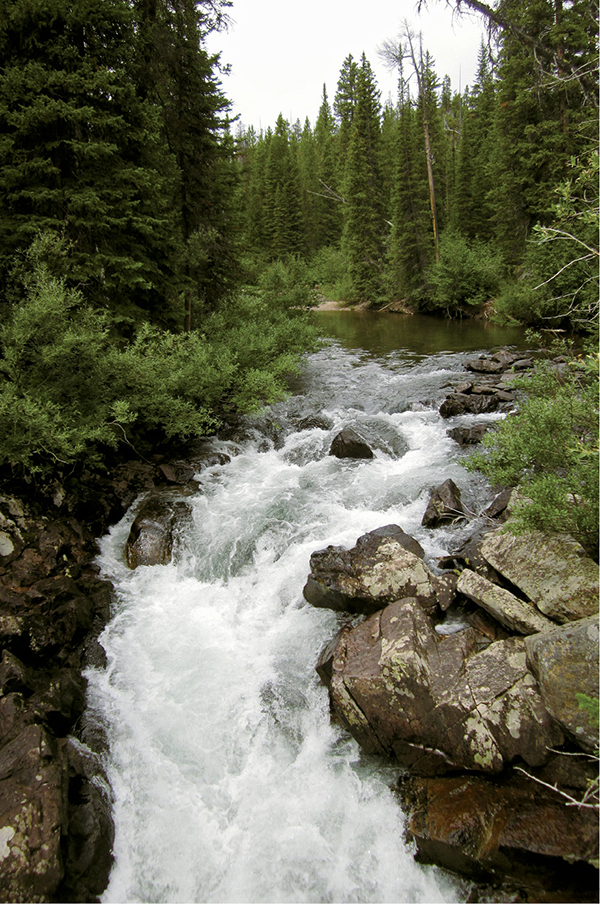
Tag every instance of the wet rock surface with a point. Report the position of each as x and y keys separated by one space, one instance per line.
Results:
x=444 y=506
x=349 y=444
x=511 y=831
x=474 y=694
x=56 y=830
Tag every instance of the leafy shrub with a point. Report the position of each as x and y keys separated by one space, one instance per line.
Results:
x=69 y=390
x=330 y=271
x=288 y=283
x=550 y=450
x=467 y=275
x=558 y=281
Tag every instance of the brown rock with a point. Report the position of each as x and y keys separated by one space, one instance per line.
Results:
x=438 y=702
x=509 y=830
x=31 y=824
x=378 y=570
x=444 y=505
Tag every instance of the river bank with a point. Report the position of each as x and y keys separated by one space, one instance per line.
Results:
x=271 y=468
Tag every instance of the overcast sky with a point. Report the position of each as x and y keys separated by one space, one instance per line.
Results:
x=282 y=51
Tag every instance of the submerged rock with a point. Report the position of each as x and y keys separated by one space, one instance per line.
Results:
x=349 y=444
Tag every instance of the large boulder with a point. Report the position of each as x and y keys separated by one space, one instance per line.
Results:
x=385 y=565
x=445 y=505
x=33 y=815
x=348 y=444
x=510 y=830
x=438 y=702
x=565 y=662
x=554 y=572
x=505 y=607
x=150 y=540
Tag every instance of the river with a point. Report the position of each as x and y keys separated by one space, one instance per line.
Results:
x=230 y=782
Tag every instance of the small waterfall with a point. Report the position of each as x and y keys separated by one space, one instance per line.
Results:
x=230 y=781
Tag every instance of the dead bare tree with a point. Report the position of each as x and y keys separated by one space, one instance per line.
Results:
x=394 y=53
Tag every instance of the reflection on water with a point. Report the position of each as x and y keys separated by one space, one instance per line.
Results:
x=381 y=332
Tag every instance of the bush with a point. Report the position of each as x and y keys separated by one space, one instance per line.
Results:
x=550 y=450
x=69 y=390
x=558 y=281
x=288 y=283
x=468 y=274
x=330 y=271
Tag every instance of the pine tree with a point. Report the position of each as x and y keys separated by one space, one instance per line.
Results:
x=80 y=152
x=472 y=213
x=193 y=109
x=411 y=239
x=329 y=201
x=364 y=232
x=544 y=116
x=344 y=105
x=284 y=229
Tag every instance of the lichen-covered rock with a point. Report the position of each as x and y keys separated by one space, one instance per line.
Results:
x=348 y=444
x=33 y=815
x=444 y=506
x=510 y=830
x=565 y=662
x=554 y=572
x=385 y=565
x=438 y=703
x=513 y=613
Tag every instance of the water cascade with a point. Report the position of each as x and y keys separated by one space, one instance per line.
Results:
x=230 y=782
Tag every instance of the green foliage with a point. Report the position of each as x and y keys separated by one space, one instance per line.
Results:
x=467 y=275
x=590 y=705
x=68 y=391
x=288 y=283
x=329 y=269
x=549 y=449
x=558 y=281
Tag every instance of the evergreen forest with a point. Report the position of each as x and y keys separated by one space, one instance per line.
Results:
x=158 y=261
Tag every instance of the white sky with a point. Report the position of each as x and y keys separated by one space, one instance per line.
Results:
x=282 y=51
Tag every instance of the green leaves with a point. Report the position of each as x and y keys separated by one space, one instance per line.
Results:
x=549 y=449
x=69 y=391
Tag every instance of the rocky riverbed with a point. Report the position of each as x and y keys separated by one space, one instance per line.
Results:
x=464 y=673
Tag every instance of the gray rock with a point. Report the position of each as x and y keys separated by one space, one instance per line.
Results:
x=33 y=815
x=348 y=444
x=444 y=505
x=565 y=661
x=468 y=436
x=484 y=365
x=438 y=703
x=513 y=613
x=374 y=573
x=554 y=572
x=459 y=403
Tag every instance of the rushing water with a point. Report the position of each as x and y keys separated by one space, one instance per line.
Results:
x=230 y=783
